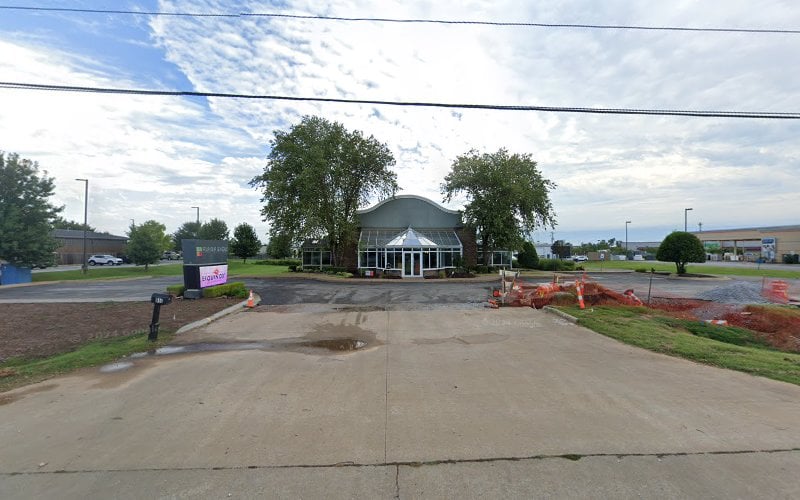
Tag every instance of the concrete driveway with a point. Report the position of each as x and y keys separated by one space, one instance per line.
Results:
x=439 y=403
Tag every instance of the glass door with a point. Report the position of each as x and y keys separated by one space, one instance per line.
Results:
x=412 y=264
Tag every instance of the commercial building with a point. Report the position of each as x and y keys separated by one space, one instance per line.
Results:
x=768 y=244
x=405 y=236
x=70 y=249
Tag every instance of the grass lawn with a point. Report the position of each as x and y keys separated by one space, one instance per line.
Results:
x=722 y=346
x=16 y=372
x=693 y=268
x=235 y=268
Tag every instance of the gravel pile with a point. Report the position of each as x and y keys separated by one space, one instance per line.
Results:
x=738 y=292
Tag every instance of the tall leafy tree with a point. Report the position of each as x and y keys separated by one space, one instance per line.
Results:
x=187 y=231
x=506 y=196
x=279 y=246
x=62 y=223
x=317 y=176
x=215 y=229
x=26 y=215
x=681 y=248
x=146 y=243
x=245 y=242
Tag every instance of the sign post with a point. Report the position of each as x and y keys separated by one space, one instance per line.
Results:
x=205 y=263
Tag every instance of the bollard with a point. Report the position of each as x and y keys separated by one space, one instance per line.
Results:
x=158 y=300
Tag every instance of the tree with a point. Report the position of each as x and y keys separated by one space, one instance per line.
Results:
x=279 y=246
x=26 y=215
x=187 y=231
x=146 y=242
x=681 y=248
x=245 y=243
x=214 y=229
x=317 y=176
x=62 y=223
x=507 y=196
x=561 y=249
x=528 y=258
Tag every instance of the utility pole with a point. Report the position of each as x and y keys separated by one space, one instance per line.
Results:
x=685 y=219
x=626 y=238
x=84 y=269
x=198 y=214
x=700 y=226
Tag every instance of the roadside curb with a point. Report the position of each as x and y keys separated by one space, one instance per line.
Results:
x=228 y=310
x=562 y=314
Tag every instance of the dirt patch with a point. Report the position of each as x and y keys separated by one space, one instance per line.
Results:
x=40 y=330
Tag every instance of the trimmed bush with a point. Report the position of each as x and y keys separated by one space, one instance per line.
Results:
x=234 y=289
x=176 y=290
x=555 y=265
x=279 y=262
x=528 y=258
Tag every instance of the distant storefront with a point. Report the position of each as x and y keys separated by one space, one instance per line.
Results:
x=70 y=249
x=406 y=236
x=765 y=244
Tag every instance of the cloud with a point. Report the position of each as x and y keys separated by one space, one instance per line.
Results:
x=608 y=168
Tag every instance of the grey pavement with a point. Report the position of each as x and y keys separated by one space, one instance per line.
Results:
x=446 y=403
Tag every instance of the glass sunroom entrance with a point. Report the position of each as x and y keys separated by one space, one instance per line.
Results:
x=408 y=253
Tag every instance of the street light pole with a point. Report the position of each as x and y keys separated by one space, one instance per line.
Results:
x=85 y=220
x=198 y=214
x=626 y=238
x=685 y=219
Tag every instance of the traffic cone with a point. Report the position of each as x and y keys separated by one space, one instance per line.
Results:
x=579 y=289
x=251 y=302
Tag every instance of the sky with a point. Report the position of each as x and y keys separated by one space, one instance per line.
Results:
x=157 y=157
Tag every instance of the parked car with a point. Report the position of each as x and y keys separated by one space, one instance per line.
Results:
x=170 y=255
x=580 y=258
x=103 y=259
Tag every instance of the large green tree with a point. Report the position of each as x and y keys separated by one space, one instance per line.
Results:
x=317 y=176
x=146 y=243
x=245 y=242
x=26 y=215
x=279 y=245
x=681 y=248
x=215 y=229
x=187 y=231
x=506 y=196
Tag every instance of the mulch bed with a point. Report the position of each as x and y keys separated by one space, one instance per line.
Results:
x=40 y=330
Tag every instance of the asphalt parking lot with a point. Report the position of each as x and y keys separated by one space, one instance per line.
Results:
x=283 y=291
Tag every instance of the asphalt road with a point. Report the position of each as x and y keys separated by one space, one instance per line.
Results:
x=282 y=291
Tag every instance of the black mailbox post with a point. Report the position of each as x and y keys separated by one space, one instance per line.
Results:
x=158 y=300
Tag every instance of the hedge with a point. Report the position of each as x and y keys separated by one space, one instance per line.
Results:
x=279 y=262
x=176 y=290
x=234 y=289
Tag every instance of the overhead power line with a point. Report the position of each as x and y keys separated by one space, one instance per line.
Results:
x=495 y=107
x=402 y=21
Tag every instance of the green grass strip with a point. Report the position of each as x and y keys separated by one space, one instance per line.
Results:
x=235 y=268
x=722 y=346
x=94 y=353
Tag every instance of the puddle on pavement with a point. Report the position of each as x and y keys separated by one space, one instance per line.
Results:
x=325 y=339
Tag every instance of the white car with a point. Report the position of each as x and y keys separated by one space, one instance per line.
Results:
x=580 y=258
x=103 y=259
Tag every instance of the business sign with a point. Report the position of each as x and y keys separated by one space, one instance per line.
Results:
x=213 y=275
x=204 y=251
x=768 y=248
x=711 y=245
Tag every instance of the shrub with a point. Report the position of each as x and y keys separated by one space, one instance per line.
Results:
x=279 y=262
x=234 y=289
x=344 y=274
x=681 y=248
x=641 y=270
x=442 y=274
x=481 y=269
x=528 y=258
x=555 y=265
x=176 y=290
x=293 y=268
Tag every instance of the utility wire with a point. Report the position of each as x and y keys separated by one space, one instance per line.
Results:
x=495 y=107
x=404 y=21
